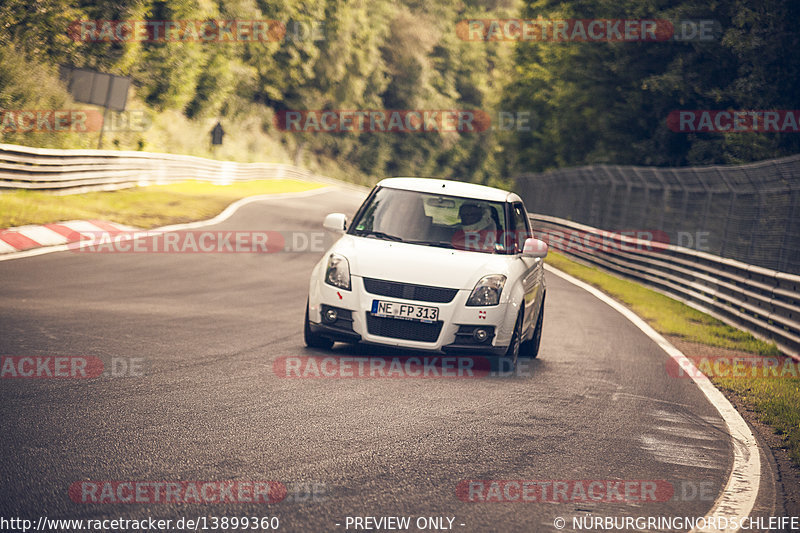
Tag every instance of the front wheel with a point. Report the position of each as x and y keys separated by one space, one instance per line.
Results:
x=513 y=351
x=312 y=339
x=530 y=349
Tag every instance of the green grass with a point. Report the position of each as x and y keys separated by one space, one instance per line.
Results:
x=775 y=400
x=142 y=207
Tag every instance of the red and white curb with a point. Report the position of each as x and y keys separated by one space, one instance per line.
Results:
x=29 y=237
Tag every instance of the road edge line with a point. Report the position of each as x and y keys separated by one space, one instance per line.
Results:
x=739 y=495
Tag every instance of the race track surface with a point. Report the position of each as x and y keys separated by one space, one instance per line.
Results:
x=598 y=403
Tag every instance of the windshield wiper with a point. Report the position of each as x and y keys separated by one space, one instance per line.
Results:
x=380 y=235
x=441 y=244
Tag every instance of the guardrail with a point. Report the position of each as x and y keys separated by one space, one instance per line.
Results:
x=759 y=300
x=745 y=212
x=22 y=167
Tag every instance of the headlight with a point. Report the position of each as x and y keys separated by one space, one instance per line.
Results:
x=338 y=272
x=487 y=290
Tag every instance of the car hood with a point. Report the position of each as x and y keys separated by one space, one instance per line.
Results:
x=418 y=264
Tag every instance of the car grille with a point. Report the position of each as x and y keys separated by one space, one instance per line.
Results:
x=408 y=291
x=409 y=330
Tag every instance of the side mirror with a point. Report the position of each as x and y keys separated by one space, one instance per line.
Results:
x=534 y=248
x=335 y=222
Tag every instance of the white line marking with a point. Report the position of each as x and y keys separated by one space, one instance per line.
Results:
x=81 y=226
x=739 y=495
x=44 y=236
x=85 y=226
x=6 y=248
x=226 y=214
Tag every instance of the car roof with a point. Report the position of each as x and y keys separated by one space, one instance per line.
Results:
x=450 y=187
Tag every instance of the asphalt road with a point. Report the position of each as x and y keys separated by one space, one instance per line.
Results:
x=598 y=404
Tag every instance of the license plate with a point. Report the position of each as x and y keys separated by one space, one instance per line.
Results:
x=406 y=311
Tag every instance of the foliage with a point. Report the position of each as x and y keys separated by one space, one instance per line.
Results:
x=591 y=102
x=608 y=102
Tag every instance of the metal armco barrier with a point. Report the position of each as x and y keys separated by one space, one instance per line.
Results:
x=759 y=300
x=749 y=212
x=72 y=171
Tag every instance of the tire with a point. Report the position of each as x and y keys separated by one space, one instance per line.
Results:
x=312 y=339
x=530 y=349
x=514 y=346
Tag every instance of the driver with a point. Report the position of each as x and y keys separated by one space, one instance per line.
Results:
x=478 y=226
x=475 y=217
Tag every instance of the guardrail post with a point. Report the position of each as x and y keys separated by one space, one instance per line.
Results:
x=754 y=228
x=791 y=220
x=707 y=205
x=623 y=216
x=605 y=218
x=685 y=206
x=724 y=239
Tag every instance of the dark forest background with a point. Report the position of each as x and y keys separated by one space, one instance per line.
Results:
x=588 y=102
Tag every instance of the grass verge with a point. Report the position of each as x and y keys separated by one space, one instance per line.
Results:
x=776 y=400
x=142 y=207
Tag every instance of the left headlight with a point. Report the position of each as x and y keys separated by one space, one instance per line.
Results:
x=487 y=290
x=338 y=272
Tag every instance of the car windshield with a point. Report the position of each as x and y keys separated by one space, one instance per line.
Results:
x=433 y=220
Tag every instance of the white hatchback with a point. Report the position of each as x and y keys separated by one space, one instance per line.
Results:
x=433 y=265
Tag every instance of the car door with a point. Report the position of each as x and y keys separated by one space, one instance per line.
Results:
x=532 y=271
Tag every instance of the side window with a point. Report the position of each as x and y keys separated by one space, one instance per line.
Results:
x=522 y=227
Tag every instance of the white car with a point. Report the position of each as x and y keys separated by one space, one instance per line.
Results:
x=431 y=264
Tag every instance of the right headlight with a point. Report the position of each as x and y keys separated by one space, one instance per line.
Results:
x=487 y=291
x=338 y=272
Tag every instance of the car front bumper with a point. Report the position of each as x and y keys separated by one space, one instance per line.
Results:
x=451 y=334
